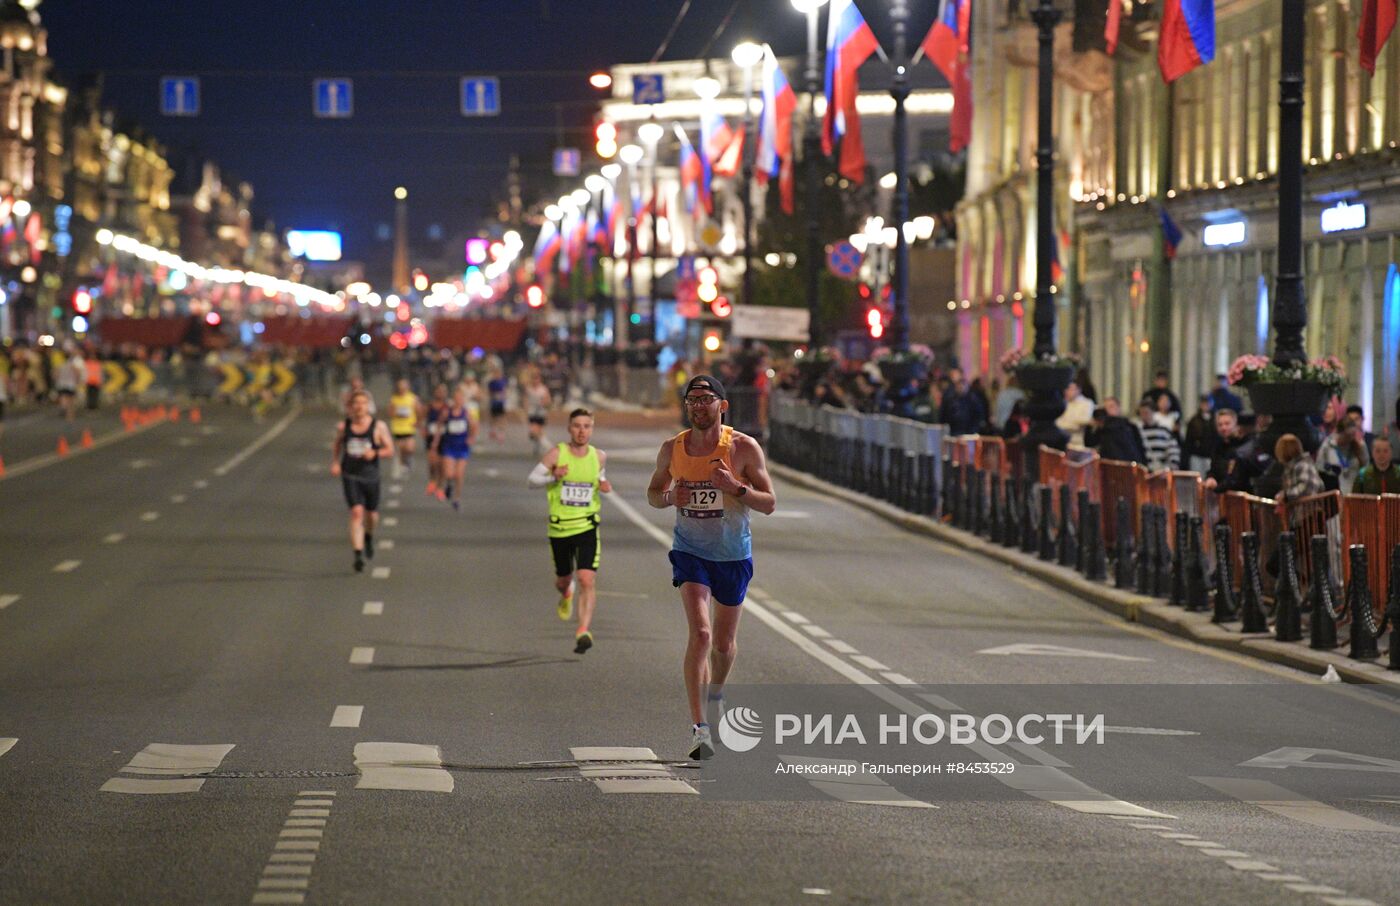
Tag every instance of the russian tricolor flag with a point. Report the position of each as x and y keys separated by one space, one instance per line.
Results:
x=849 y=43
x=1171 y=233
x=695 y=173
x=1377 y=22
x=1188 y=37
x=546 y=247
x=946 y=46
x=773 y=156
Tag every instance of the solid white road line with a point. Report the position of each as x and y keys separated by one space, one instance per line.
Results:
x=261 y=442
x=114 y=538
x=380 y=572
x=373 y=608
x=840 y=647
x=67 y=566
x=7 y=600
x=48 y=459
x=868 y=663
x=7 y=743
x=347 y=715
x=362 y=655
x=1041 y=782
x=401 y=766
x=1288 y=804
x=1150 y=731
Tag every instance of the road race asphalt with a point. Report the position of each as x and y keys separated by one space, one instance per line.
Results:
x=190 y=585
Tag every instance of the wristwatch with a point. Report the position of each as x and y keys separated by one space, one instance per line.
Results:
x=743 y=489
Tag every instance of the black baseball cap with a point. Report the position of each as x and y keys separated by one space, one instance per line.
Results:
x=706 y=382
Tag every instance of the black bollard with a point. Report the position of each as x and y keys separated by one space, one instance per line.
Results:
x=1096 y=567
x=1030 y=526
x=1066 y=551
x=951 y=490
x=1010 y=515
x=1123 y=543
x=1252 y=618
x=1162 y=570
x=994 y=517
x=1197 y=585
x=1146 y=549
x=1046 y=539
x=1225 y=609
x=977 y=519
x=1081 y=555
x=1181 y=539
x=1288 y=598
x=1322 y=629
x=1364 y=631
x=926 y=491
x=1392 y=610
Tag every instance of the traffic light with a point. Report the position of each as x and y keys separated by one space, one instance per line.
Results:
x=420 y=281
x=605 y=139
x=534 y=295
x=721 y=308
x=213 y=318
x=713 y=341
x=82 y=302
x=864 y=291
x=876 y=322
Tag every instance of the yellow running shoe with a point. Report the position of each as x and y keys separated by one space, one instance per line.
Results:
x=565 y=607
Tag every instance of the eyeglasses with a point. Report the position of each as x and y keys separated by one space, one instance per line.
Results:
x=700 y=401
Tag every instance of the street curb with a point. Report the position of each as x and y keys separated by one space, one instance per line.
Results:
x=44 y=460
x=1134 y=608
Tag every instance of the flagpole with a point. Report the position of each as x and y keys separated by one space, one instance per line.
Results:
x=811 y=157
x=1290 y=309
x=748 y=55
x=899 y=90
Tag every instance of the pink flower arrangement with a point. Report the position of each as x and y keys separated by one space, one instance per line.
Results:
x=1246 y=363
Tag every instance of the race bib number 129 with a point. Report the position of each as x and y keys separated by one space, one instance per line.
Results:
x=706 y=502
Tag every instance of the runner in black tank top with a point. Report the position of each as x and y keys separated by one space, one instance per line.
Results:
x=360 y=442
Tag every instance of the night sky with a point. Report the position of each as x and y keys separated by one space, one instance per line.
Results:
x=256 y=60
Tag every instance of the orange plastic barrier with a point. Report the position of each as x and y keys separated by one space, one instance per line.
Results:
x=1374 y=522
x=1308 y=516
x=1121 y=481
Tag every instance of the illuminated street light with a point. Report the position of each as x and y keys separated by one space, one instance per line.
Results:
x=580 y=197
x=889 y=181
x=747 y=54
x=553 y=212
x=631 y=154
x=611 y=171
x=706 y=87
x=650 y=132
x=808 y=6
x=600 y=80
x=400 y=193
x=595 y=183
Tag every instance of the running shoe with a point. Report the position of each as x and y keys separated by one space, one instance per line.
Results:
x=715 y=709
x=441 y=494
x=431 y=490
x=701 y=747
x=369 y=547
x=565 y=607
x=583 y=641
x=359 y=562
x=456 y=505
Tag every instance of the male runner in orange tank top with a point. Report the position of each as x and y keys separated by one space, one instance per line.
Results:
x=713 y=476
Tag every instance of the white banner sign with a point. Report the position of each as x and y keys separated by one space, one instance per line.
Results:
x=768 y=322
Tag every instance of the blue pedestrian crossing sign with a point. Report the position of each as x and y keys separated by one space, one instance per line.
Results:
x=333 y=98
x=179 y=96
x=649 y=88
x=567 y=161
x=481 y=96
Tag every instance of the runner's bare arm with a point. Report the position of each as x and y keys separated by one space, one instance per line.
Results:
x=336 y=447
x=603 y=484
x=753 y=470
x=383 y=441
x=659 y=488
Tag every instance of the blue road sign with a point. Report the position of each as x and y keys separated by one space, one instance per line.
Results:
x=333 y=98
x=179 y=96
x=648 y=89
x=481 y=96
x=843 y=260
x=567 y=161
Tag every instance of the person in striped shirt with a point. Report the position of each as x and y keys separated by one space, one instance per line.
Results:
x=1163 y=450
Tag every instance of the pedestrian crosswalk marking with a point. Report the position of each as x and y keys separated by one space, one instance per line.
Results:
x=401 y=766
x=173 y=762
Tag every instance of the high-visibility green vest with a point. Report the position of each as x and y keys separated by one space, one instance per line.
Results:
x=574 y=501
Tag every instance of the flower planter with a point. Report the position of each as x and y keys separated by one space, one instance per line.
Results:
x=899 y=374
x=1287 y=397
x=1051 y=379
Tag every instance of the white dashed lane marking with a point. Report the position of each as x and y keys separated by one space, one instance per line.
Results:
x=7 y=600
x=373 y=608
x=175 y=762
x=815 y=632
x=201 y=484
x=856 y=788
x=840 y=647
x=151 y=516
x=178 y=498
x=67 y=566
x=386 y=545
x=1283 y=802
x=7 y=743
x=869 y=663
x=114 y=538
x=362 y=655
x=347 y=715
x=287 y=875
x=401 y=766
x=392 y=505
x=391 y=521
x=380 y=572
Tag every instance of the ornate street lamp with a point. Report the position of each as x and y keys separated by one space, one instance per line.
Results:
x=811 y=161
x=746 y=56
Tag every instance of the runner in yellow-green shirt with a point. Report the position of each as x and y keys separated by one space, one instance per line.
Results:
x=574 y=474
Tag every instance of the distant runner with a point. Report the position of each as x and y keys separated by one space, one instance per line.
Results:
x=537 y=403
x=433 y=418
x=575 y=473
x=455 y=445
x=360 y=442
x=404 y=411
x=713 y=475
x=496 y=388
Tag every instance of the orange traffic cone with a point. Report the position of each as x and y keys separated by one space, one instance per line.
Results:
x=174 y=413
x=195 y=416
x=62 y=445
x=87 y=438
x=2 y=467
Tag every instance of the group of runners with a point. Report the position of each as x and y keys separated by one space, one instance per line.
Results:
x=712 y=475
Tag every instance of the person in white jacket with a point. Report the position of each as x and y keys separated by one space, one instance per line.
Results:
x=1078 y=414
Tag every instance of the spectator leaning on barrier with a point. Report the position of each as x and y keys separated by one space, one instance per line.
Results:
x=1018 y=423
x=1078 y=414
x=1113 y=436
x=1300 y=476
x=1161 y=450
x=1382 y=476
x=1221 y=476
x=1342 y=455
x=1200 y=437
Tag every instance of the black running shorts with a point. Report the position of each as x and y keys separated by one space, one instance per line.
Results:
x=581 y=551
x=361 y=492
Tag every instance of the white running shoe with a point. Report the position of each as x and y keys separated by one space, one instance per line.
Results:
x=701 y=746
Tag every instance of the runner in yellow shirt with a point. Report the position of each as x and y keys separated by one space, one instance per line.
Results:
x=405 y=410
